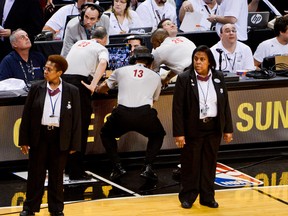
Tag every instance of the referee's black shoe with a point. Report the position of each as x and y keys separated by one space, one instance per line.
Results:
x=148 y=173
x=117 y=172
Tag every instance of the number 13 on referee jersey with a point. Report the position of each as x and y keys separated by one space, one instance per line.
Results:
x=138 y=73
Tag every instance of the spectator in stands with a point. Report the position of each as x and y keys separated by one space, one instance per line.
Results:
x=153 y=11
x=170 y=50
x=274 y=46
x=56 y=24
x=86 y=59
x=27 y=15
x=235 y=12
x=205 y=7
x=235 y=55
x=201 y=117
x=122 y=18
x=80 y=29
x=138 y=88
x=22 y=63
x=50 y=129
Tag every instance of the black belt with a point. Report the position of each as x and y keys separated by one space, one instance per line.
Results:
x=207 y=119
x=134 y=108
x=49 y=127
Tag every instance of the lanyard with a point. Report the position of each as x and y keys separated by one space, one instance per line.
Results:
x=53 y=105
x=156 y=12
x=30 y=70
x=234 y=60
x=207 y=9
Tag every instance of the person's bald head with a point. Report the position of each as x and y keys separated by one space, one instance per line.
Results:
x=158 y=36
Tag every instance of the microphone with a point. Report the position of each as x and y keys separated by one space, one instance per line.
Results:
x=220 y=51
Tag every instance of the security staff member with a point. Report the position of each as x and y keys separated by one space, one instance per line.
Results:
x=50 y=129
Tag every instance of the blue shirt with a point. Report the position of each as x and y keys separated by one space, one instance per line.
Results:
x=13 y=66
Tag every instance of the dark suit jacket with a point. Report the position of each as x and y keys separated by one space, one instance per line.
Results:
x=24 y=14
x=186 y=105
x=70 y=117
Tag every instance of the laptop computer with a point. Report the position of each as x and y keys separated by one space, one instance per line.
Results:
x=258 y=19
x=143 y=30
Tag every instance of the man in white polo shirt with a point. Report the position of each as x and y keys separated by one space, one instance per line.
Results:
x=235 y=12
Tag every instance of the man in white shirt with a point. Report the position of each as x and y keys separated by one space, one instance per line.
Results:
x=235 y=12
x=153 y=11
x=274 y=46
x=205 y=7
x=57 y=22
x=171 y=50
x=87 y=58
x=235 y=55
x=138 y=88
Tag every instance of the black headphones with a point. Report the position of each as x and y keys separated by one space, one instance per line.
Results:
x=140 y=55
x=90 y=5
x=134 y=37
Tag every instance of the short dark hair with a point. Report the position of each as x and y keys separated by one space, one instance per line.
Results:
x=59 y=61
x=280 y=25
x=141 y=54
x=99 y=32
x=160 y=24
x=205 y=49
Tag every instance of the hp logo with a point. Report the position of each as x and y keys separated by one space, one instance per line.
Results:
x=256 y=18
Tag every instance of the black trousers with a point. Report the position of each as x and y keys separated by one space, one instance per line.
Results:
x=75 y=162
x=143 y=120
x=46 y=156
x=198 y=164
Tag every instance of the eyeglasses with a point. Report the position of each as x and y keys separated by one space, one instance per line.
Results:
x=230 y=30
x=48 y=69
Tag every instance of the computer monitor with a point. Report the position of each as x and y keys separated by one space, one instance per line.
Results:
x=118 y=55
x=143 y=30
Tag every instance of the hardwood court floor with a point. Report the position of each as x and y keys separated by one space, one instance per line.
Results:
x=272 y=201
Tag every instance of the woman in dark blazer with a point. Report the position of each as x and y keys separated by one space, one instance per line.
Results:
x=201 y=114
x=50 y=129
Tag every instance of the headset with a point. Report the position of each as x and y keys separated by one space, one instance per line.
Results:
x=89 y=5
x=134 y=37
x=141 y=53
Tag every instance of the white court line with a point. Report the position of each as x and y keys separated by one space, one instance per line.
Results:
x=113 y=184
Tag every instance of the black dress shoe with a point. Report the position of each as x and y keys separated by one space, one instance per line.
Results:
x=27 y=213
x=211 y=204
x=117 y=172
x=148 y=173
x=57 y=213
x=82 y=177
x=186 y=205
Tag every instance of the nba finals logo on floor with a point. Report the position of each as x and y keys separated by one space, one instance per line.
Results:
x=229 y=177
